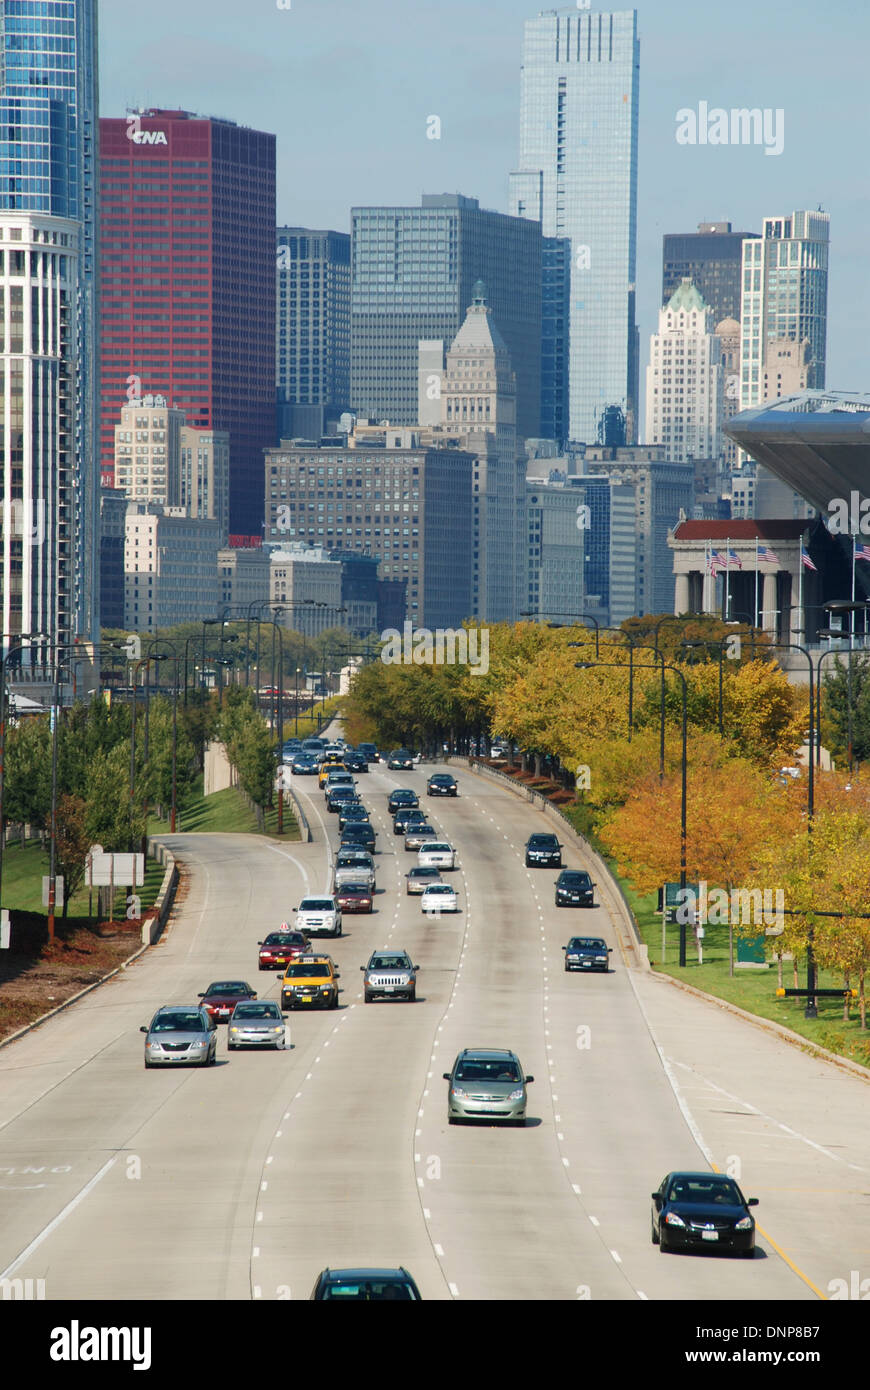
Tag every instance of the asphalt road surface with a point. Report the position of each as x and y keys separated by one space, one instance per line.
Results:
x=245 y=1180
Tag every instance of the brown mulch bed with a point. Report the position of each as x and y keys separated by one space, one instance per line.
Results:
x=554 y=791
x=36 y=976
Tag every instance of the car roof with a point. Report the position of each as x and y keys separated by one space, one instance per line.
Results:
x=366 y=1272
x=487 y=1052
x=227 y=984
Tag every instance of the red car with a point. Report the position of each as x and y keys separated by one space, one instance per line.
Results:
x=222 y=996
x=281 y=947
x=354 y=897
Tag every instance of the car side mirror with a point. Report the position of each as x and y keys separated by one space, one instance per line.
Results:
x=610 y=950
x=201 y=995
x=657 y=1198
x=564 y=948
x=363 y=968
x=447 y=1076
x=529 y=1080
x=143 y=1030
x=753 y=1202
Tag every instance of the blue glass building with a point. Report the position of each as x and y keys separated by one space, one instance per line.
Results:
x=577 y=176
x=48 y=139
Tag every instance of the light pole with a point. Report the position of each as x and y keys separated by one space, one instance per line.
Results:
x=171 y=644
x=588 y=617
x=591 y=665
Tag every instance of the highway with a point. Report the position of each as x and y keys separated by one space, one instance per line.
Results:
x=245 y=1180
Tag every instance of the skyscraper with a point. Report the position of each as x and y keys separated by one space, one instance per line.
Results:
x=684 y=380
x=783 y=327
x=711 y=258
x=577 y=176
x=413 y=271
x=555 y=337
x=312 y=349
x=187 y=264
x=49 y=495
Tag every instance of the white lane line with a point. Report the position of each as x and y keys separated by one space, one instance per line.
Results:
x=54 y=1084
x=576 y=1187
x=257 y=1291
x=427 y=1215
x=263 y=1186
x=617 y=1257
x=61 y=1216
x=259 y=1216
x=594 y=1220
x=641 y=1294
x=439 y=1249
x=255 y=1252
x=454 y=1290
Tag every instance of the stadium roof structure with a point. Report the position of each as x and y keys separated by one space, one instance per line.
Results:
x=818 y=442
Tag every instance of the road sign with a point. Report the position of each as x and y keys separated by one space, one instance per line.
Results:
x=105 y=870
x=4 y=929
x=58 y=889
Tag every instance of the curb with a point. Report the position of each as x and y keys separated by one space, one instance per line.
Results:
x=43 y=1018
x=770 y=1026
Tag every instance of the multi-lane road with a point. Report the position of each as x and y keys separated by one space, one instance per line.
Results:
x=245 y=1180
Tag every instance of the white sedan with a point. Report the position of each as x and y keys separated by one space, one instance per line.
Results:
x=436 y=854
x=437 y=898
x=318 y=917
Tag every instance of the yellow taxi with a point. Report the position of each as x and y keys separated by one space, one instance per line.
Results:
x=310 y=982
x=332 y=763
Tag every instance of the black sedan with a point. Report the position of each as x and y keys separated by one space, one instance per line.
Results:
x=442 y=784
x=401 y=760
x=405 y=816
x=355 y=762
x=702 y=1211
x=587 y=953
x=402 y=796
x=543 y=852
x=574 y=888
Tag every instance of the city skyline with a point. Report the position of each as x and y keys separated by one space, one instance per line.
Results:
x=370 y=146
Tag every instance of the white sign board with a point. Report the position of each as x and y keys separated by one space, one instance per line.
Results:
x=4 y=929
x=104 y=869
x=58 y=889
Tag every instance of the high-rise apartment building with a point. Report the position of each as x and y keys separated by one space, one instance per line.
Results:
x=783 y=327
x=581 y=551
x=711 y=258
x=49 y=489
x=170 y=567
x=312 y=326
x=413 y=271
x=577 y=176
x=187 y=265
x=160 y=458
x=684 y=380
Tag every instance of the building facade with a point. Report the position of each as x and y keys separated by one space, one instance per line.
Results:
x=555 y=338
x=170 y=567
x=159 y=458
x=48 y=482
x=113 y=519
x=684 y=380
x=312 y=330
x=244 y=579
x=187 y=266
x=712 y=259
x=306 y=584
x=581 y=548
x=413 y=271
x=407 y=505
x=577 y=177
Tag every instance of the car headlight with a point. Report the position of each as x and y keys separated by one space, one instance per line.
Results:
x=600 y=960
x=154 y=1046
x=279 y=1028
x=673 y=1220
x=516 y=1095
x=744 y=1224
x=199 y=1043
x=573 y=957
x=458 y=1091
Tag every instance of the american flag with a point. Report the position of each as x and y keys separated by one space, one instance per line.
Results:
x=862 y=552
x=734 y=559
x=768 y=556
x=805 y=560
x=714 y=563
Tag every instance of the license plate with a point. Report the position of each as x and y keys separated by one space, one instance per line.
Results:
x=709 y=1235
x=388 y=989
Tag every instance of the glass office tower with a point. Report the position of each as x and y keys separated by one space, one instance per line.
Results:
x=578 y=178
x=49 y=484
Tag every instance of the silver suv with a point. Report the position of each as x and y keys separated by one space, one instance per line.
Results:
x=388 y=975
x=354 y=866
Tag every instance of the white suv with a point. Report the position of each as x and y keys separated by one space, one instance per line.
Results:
x=318 y=917
x=436 y=854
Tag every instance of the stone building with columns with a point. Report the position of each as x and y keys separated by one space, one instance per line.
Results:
x=762 y=584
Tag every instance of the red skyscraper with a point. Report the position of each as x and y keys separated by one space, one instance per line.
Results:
x=187 y=279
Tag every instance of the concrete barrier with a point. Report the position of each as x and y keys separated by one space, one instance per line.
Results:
x=153 y=925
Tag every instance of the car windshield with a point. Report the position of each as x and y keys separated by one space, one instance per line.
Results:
x=351 y=890
x=178 y=1023
x=423 y=872
x=490 y=1069
x=443 y=889
x=317 y=905
x=420 y=827
x=349 y=859
x=369 y=1290
x=257 y=1011
x=575 y=880
x=435 y=846
x=228 y=987
x=442 y=780
x=306 y=972
x=389 y=963
x=586 y=943
x=542 y=841
x=284 y=938
x=705 y=1190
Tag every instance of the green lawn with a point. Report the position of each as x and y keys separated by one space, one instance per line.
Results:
x=225 y=811
x=23 y=870
x=751 y=989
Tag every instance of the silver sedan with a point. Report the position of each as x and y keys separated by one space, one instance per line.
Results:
x=257 y=1023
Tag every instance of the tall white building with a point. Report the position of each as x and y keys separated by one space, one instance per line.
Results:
x=783 y=327
x=159 y=458
x=684 y=380
x=43 y=516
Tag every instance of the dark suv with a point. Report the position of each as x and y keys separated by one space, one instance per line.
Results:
x=401 y=760
x=365 y=1286
x=574 y=888
x=543 y=852
x=402 y=796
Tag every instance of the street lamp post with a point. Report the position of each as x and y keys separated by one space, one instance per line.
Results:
x=591 y=665
x=168 y=643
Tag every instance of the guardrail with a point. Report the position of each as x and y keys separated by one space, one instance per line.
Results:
x=554 y=813
x=302 y=819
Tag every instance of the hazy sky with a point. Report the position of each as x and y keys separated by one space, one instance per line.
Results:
x=347 y=87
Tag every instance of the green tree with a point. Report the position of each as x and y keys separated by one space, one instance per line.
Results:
x=72 y=843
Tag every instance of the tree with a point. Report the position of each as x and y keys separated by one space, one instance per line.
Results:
x=27 y=786
x=110 y=819
x=72 y=843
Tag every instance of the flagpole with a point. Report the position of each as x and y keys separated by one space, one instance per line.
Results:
x=726 y=595
x=801 y=590
x=756 y=581
x=852 y=614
